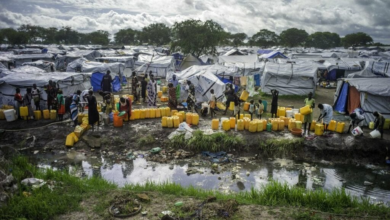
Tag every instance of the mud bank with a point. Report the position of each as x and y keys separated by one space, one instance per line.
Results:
x=147 y=134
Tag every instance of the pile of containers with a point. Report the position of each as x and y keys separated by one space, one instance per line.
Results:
x=177 y=118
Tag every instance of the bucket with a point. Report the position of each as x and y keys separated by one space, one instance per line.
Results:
x=295 y=111
x=101 y=117
x=289 y=113
x=10 y=114
x=375 y=134
x=357 y=131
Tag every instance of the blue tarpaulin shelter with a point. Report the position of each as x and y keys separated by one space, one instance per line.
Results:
x=226 y=81
x=96 y=79
x=341 y=103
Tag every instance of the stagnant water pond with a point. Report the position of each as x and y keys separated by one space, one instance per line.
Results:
x=365 y=180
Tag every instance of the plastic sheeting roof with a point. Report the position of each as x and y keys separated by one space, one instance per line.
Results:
x=90 y=66
x=374 y=86
x=273 y=54
x=155 y=61
x=238 y=59
x=41 y=79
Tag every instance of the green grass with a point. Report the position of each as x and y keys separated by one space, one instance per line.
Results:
x=278 y=194
x=280 y=147
x=201 y=142
x=69 y=191
x=148 y=139
x=44 y=203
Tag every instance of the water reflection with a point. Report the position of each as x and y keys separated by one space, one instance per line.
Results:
x=247 y=175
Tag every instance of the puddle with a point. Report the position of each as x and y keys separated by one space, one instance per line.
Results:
x=247 y=174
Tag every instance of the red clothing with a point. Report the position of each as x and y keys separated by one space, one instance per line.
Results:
x=126 y=108
x=18 y=97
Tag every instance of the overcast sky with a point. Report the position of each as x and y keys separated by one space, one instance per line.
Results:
x=248 y=16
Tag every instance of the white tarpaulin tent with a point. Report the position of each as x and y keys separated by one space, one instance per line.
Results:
x=68 y=82
x=23 y=58
x=289 y=79
x=374 y=94
x=128 y=61
x=204 y=79
x=159 y=65
x=372 y=69
x=86 y=66
x=42 y=64
x=62 y=61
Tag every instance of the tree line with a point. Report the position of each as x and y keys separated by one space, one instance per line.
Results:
x=191 y=36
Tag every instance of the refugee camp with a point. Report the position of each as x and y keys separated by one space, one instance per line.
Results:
x=193 y=110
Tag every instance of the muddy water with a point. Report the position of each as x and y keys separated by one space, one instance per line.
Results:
x=367 y=181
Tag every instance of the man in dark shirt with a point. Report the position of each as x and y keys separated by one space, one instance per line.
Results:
x=106 y=82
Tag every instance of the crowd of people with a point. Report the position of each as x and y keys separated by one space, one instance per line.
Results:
x=146 y=89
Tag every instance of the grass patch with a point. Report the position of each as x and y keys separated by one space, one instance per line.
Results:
x=280 y=147
x=147 y=139
x=201 y=142
x=278 y=194
x=44 y=203
x=69 y=191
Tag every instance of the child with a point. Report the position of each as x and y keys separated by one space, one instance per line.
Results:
x=252 y=108
x=212 y=103
x=137 y=93
x=260 y=108
x=236 y=106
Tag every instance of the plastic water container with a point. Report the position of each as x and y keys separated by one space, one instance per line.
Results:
x=195 y=119
x=215 y=124
x=240 y=125
x=53 y=114
x=260 y=126
x=319 y=129
x=232 y=122
x=340 y=127
x=176 y=121
x=252 y=126
x=169 y=122
x=231 y=106
x=244 y=95
x=269 y=127
x=37 y=115
x=298 y=124
x=246 y=106
x=313 y=125
x=246 y=123
x=23 y=111
x=295 y=111
x=357 y=131
x=159 y=94
x=371 y=125
x=10 y=115
x=265 y=105
x=332 y=125
x=375 y=134
x=281 y=125
x=281 y=111
x=189 y=118
x=289 y=113
x=164 y=122
x=226 y=125
x=118 y=121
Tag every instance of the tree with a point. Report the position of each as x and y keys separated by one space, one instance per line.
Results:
x=126 y=36
x=264 y=38
x=98 y=37
x=196 y=37
x=33 y=33
x=49 y=35
x=14 y=37
x=236 y=39
x=323 y=40
x=293 y=37
x=67 y=36
x=357 y=39
x=156 y=34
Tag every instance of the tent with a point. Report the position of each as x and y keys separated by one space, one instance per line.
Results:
x=23 y=58
x=62 y=61
x=373 y=69
x=233 y=52
x=204 y=79
x=128 y=61
x=273 y=55
x=159 y=65
x=68 y=82
x=289 y=79
x=86 y=66
x=369 y=94
x=188 y=61
x=96 y=79
x=41 y=64
x=241 y=65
